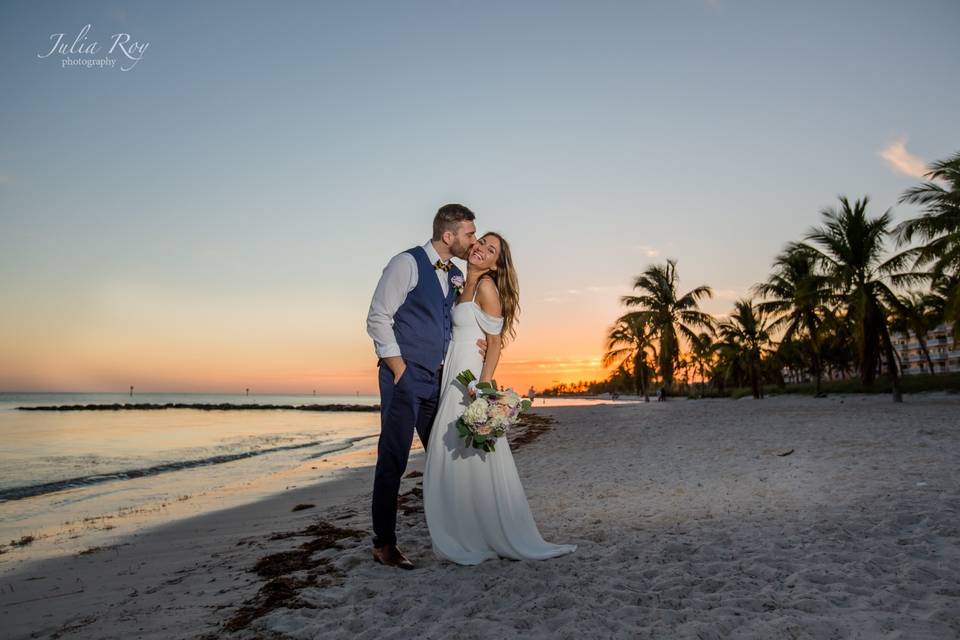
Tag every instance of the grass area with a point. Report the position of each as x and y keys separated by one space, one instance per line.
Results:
x=908 y=384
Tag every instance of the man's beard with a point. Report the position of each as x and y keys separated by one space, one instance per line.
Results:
x=460 y=250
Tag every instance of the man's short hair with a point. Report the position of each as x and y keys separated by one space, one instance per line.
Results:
x=449 y=217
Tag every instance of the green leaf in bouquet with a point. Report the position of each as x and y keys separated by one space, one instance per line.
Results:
x=486 y=386
x=525 y=405
x=468 y=442
x=490 y=446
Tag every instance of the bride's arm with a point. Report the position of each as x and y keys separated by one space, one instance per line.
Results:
x=489 y=302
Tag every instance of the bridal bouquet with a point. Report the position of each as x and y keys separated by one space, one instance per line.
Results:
x=490 y=415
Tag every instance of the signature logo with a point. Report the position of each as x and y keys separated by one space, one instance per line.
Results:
x=127 y=52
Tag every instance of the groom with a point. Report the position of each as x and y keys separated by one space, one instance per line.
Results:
x=410 y=323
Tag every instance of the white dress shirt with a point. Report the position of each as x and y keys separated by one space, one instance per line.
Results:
x=398 y=279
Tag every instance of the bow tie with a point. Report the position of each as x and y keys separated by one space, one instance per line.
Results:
x=440 y=264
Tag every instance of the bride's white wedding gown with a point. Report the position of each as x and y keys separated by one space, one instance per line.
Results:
x=474 y=503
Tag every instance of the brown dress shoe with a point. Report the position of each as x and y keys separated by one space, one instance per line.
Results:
x=390 y=556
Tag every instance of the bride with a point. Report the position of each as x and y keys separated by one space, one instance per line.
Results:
x=474 y=503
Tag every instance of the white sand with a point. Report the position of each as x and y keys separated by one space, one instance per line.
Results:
x=689 y=525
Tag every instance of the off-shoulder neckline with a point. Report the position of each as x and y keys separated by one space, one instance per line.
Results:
x=474 y=303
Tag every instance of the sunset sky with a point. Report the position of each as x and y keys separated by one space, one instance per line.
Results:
x=217 y=217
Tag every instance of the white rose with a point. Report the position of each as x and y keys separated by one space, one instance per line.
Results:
x=476 y=413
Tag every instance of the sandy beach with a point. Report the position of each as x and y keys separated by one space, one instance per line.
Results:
x=789 y=517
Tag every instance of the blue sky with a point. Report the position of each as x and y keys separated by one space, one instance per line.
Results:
x=223 y=209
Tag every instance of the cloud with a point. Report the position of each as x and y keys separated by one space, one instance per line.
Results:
x=648 y=251
x=903 y=161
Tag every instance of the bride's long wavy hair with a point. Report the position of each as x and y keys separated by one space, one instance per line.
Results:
x=505 y=277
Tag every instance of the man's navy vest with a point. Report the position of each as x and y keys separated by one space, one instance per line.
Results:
x=423 y=323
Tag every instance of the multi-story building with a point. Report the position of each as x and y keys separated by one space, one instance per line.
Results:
x=944 y=356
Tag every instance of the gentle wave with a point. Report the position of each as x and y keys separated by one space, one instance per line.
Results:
x=18 y=493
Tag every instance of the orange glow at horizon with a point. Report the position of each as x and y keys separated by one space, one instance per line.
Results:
x=192 y=374
x=162 y=339
x=210 y=349
x=264 y=368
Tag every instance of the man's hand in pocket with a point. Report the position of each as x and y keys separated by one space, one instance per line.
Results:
x=397 y=365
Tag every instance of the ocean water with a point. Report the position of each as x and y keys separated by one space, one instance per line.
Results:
x=61 y=468
x=47 y=451
x=8 y=400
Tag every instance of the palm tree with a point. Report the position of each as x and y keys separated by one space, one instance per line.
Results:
x=728 y=367
x=746 y=338
x=939 y=228
x=850 y=248
x=702 y=354
x=796 y=294
x=629 y=340
x=838 y=343
x=670 y=314
x=916 y=316
x=620 y=379
x=793 y=355
x=682 y=372
x=944 y=302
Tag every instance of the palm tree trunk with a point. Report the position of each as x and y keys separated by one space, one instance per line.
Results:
x=871 y=323
x=817 y=363
x=891 y=364
x=637 y=373
x=643 y=382
x=926 y=352
x=668 y=344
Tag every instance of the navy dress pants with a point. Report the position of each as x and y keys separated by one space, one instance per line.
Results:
x=409 y=404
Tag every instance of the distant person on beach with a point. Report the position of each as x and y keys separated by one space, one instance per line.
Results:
x=531 y=394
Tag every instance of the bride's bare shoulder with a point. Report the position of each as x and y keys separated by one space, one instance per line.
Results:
x=488 y=297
